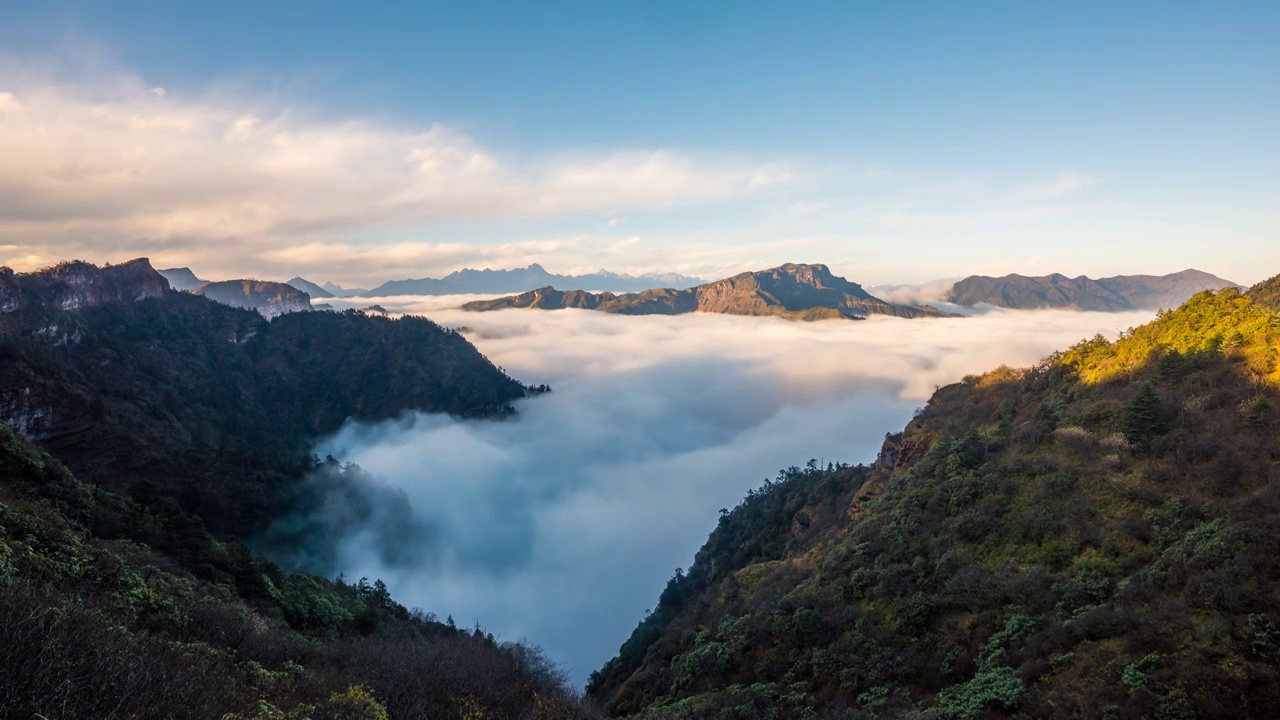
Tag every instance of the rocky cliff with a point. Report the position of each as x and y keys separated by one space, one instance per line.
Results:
x=75 y=285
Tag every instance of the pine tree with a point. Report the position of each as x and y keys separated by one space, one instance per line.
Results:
x=1145 y=416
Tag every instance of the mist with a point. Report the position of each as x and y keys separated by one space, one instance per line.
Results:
x=561 y=525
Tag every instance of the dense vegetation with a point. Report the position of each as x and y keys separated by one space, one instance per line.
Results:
x=1266 y=294
x=215 y=406
x=111 y=608
x=1092 y=537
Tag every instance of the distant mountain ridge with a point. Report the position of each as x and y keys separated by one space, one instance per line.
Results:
x=470 y=281
x=310 y=288
x=1112 y=294
x=793 y=291
x=182 y=278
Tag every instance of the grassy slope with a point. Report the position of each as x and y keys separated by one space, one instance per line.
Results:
x=1093 y=537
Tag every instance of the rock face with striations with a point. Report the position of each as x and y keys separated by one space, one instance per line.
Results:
x=792 y=291
x=271 y=299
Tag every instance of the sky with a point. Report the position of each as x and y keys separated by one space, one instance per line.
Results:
x=896 y=142
x=561 y=525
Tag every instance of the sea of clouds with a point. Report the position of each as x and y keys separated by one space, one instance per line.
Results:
x=560 y=526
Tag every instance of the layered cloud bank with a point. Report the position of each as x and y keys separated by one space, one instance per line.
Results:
x=561 y=525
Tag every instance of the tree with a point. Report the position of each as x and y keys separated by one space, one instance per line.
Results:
x=1145 y=417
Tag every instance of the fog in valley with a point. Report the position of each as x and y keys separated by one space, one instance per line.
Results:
x=562 y=524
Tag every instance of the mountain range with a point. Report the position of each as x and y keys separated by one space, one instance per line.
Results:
x=486 y=282
x=1111 y=294
x=671 y=293
x=792 y=291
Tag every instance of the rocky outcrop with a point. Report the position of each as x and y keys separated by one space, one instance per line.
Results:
x=270 y=299
x=11 y=298
x=25 y=415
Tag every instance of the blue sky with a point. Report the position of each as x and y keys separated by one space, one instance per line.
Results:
x=897 y=142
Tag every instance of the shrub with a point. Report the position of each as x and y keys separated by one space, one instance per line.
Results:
x=356 y=703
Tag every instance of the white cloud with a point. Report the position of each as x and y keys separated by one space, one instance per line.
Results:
x=118 y=168
x=563 y=524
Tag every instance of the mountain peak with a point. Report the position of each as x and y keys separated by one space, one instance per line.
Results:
x=815 y=274
x=181 y=278
x=310 y=288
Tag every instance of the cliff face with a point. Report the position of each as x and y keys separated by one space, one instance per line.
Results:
x=11 y=299
x=271 y=299
x=76 y=285
x=43 y=310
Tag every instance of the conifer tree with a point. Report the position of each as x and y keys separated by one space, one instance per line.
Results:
x=1145 y=416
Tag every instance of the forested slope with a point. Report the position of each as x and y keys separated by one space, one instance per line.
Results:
x=1091 y=537
x=130 y=383
x=180 y=414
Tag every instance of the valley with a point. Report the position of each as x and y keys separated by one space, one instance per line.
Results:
x=639 y=361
